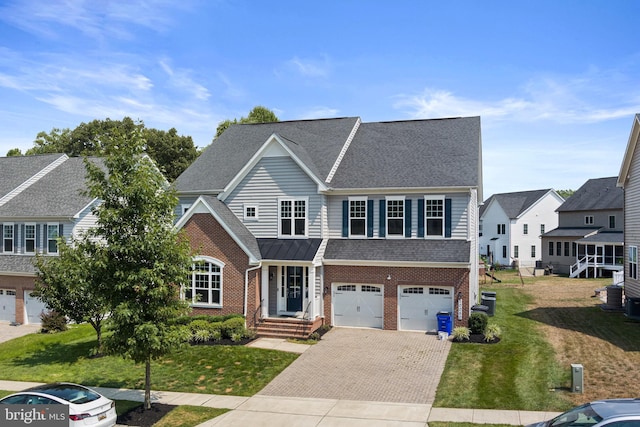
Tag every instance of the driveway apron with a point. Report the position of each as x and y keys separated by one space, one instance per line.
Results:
x=366 y=364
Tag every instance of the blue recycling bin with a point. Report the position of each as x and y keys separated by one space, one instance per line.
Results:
x=445 y=322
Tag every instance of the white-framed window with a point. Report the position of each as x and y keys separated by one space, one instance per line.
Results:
x=205 y=285
x=184 y=207
x=395 y=216
x=29 y=238
x=588 y=220
x=533 y=251
x=251 y=212
x=525 y=228
x=434 y=216
x=612 y=221
x=7 y=237
x=292 y=215
x=633 y=262
x=516 y=252
x=357 y=216
x=541 y=228
x=52 y=238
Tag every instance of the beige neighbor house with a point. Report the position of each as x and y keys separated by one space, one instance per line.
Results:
x=302 y=223
x=589 y=239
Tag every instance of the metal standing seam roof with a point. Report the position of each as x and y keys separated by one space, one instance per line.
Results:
x=289 y=249
x=514 y=204
x=405 y=250
x=595 y=194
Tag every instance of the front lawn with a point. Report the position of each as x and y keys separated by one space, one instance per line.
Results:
x=232 y=370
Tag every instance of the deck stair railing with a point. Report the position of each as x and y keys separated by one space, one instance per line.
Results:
x=582 y=264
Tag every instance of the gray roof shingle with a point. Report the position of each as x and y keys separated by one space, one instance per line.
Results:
x=409 y=250
x=595 y=194
x=402 y=154
x=514 y=204
x=59 y=194
x=14 y=171
x=17 y=264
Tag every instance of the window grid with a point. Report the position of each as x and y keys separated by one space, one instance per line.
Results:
x=7 y=235
x=357 y=217
x=533 y=251
x=395 y=217
x=525 y=228
x=52 y=238
x=206 y=284
x=434 y=214
x=633 y=262
x=516 y=251
x=30 y=238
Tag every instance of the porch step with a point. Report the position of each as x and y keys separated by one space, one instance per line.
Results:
x=287 y=328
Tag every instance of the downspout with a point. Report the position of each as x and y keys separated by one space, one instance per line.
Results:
x=246 y=290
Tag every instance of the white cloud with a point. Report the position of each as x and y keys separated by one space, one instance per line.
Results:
x=181 y=79
x=319 y=113
x=311 y=67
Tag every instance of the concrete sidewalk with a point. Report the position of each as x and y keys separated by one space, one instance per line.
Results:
x=269 y=411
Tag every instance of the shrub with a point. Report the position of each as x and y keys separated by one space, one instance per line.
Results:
x=53 y=322
x=315 y=336
x=461 y=333
x=478 y=322
x=492 y=331
x=200 y=335
x=232 y=326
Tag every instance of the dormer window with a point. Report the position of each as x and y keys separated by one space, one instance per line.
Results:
x=293 y=217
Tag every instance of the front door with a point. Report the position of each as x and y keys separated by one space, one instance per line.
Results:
x=294 y=288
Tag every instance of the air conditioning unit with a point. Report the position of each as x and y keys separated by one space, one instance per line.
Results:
x=577 y=378
x=632 y=307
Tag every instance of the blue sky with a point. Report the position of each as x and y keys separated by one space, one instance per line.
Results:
x=556 y=83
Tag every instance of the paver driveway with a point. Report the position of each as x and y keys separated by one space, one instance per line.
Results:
x=366 y=364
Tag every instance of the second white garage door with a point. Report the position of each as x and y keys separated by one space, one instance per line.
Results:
x=418 y=306
x=358 y=305
x=34 y=307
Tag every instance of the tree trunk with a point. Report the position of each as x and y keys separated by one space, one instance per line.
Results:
x=147 y=385
x=97 y=326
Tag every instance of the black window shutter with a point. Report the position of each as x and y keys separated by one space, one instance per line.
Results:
x=61 y=230
x=420 y=217
x=369 y=218
x=447 y=217
x=22 y=244
x=383 y=220
x=407 y=218
x=345 y=218
x=38 y=245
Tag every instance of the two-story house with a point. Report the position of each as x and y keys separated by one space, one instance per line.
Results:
x=336 y=221
x=41 y=199
x=629 y=181
x=589 y=239
x=511 y=225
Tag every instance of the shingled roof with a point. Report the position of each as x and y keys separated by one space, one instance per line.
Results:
x=400 y=154
x=595 y=194
x=514 y=204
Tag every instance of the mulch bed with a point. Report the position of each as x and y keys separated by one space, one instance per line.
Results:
x=224 y=341
x=478 y=339
x=142 y=418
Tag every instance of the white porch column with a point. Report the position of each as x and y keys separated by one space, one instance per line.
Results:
x=264 y=287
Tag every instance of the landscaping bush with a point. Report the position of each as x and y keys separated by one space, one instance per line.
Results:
x=53 y=322
x=461 y=333
x=233 y=326
x=491 y=332
x=478 y=322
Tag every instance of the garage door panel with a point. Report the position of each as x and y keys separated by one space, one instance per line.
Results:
x=7 y=305
x=419 y=305
x=34 y=307
x=358 y=305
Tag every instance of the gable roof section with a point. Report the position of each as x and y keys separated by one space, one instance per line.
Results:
x=433 y=153
x=632 y=145
x=515 y=204
x=57 y=194
x=595 y=194
x=20 y=170
x=316 y=143
x=227 y=219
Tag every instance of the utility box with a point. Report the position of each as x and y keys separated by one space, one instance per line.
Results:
x=577 y=378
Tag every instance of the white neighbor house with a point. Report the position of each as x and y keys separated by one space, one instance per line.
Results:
x=511 y=225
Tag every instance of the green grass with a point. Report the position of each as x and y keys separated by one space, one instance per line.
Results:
x=227 y=370
x=516 y=373
x=450 y=424
x=189 y=416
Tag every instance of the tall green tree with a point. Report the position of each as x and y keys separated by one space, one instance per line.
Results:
x=71 y=283
x=14 y=152
x=146 y=261
x=172 y=152
x=258 y=114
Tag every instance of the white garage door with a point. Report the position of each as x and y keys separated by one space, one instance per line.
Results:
x=34 y=307
x=358 y=305
x=8 y=305
x=418 y=306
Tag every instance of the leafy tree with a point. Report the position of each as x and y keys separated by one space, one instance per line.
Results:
x=70 y=284
x=172 y=153
x=565 y=194
x=144 y=261
x=259 y=114
x=14 y=152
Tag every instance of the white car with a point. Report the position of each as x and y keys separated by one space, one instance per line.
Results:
x=86 y=406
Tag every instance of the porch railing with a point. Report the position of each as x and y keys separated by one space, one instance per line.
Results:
x=257 y=317
x=581 y=265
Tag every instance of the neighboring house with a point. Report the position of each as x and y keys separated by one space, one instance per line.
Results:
x=40 y=200
x=589 y=239
x=335 y=221
x=511 y=225
x=629 y=181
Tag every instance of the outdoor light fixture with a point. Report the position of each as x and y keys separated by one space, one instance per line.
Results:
x=389 y=277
